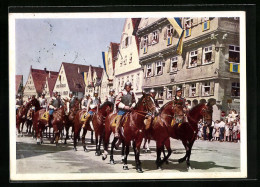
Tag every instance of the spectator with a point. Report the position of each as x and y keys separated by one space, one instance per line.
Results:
x=235 y=131
x=216 y=127
x=222 y=129
x=230 y=132
x=217 y=134
x=204 y=131
x=227 y=132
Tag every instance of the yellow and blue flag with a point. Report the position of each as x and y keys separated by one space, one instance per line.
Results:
x=176 y=23
x=234 y=67
x=104 y=56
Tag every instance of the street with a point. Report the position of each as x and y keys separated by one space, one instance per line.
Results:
x=47 y=158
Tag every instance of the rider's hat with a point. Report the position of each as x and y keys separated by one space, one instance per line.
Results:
x=71 y=93
x=43 y=94
x=18 y=95
x=111 y=90
x=152 y=91
x=95 y=92
x=128 y=83
x=178 y=89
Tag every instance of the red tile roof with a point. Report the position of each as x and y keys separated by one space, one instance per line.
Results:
x=39 y=78
x=135 y=22
x=114 y=51
x=18 y=81
x=51 y=82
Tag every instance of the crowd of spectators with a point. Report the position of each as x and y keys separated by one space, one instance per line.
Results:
x=226 y=129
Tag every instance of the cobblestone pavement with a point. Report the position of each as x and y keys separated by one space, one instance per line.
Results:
x=47 y=158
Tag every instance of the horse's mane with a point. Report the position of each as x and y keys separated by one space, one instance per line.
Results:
x=107 y=103
x=138 y=103
x=166 y=104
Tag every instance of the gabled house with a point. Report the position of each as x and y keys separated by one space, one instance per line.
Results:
x=49 y=84
x=36 y=82
x=70 y=79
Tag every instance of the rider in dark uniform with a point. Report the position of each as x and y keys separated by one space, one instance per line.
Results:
x=84 y=102
x=111 y=98
x=19 y=102
x=54 y=104
x=125 y=101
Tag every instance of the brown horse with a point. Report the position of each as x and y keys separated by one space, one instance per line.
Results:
x=163 y=128
x=29 y=121
x=133 y=129
x=99 y=123
x=71 y=117
x=21 y=115
x=39 y=122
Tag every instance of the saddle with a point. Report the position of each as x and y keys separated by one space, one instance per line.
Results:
x=45 y=116
x=123 y=120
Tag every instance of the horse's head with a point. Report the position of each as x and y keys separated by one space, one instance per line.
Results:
x=66 y=106
x=146 y=103
x=200 y=111
x=106 y=108
x=35 y=103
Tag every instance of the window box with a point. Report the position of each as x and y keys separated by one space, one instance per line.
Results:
x=206 y=25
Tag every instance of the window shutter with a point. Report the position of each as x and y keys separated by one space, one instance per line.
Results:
x=212 y=88
x=142 y=43
x=153 y=69
x=168 y=65
x=187 y=88
x=199 y=57
x=197 y=89
x=165 y=34
x=187 y=59
x=173 y=90
x=213 y=53
x=179 y=63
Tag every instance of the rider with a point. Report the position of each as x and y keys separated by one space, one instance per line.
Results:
x=54 y=104
x=43 y=101
x=180 y=102
x=111 y=98
x=149 y=117
x=19 y=102
x=93 y=104
x=71 y=99
x=84 y=102
x=125 y=101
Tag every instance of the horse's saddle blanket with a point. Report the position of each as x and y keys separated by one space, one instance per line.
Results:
x=45 y=116
x=123 y=120
x=84 y=117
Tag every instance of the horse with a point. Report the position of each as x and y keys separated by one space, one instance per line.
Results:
x=70 y=118
x=21 y=115
x=133 y=129
x=40 y=120
x=29 y=121
x=164 y=127
x=98 y=123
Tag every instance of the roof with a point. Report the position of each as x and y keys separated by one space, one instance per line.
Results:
x=99 y=71
x=18 y=81
x=136 y=22
x=39 y=78
x=51 y=82
x=74 y=76
x=114 y=50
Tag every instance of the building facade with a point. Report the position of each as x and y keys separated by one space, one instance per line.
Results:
x=18 y=85
x=108 y=75
x=49 y=85
x=127 y=67
x=203 y=71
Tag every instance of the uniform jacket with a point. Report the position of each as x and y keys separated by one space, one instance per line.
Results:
x=93 y=102
x=125 y=98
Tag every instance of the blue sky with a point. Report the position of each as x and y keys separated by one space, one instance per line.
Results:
x=49 y=42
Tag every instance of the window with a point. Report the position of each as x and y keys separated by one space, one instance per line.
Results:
x=206 y=89
x=234 y=54
x=169 y=34
x=193 y=58
x=158 y=68
x=188 y=23
x=149 y=70
x=207 y=54
x=132 y=79
x=169 y=94
x=126 y=41
x=174 y=61
x=235 y=89
x=205 y=23
x=125 y=60
x=192 y=90
x=131 y=57
x=155 y=37
x=65 y=92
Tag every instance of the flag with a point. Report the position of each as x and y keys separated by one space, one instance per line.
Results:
x=85 y=77
x=234 y=67
x=104 y=56
x=176 y=23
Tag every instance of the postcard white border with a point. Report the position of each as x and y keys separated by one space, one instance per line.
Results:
x=112 y=176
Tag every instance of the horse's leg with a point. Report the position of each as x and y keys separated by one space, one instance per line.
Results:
x=145 y=140
x=123 y=150
x=99 y=144
x=92 y=140
x=67 y=134
x=105 y=144
x=125 y=167
x=189 y=153
x=168 y=147
x=96 y=137
x=112 y=151
x=83 y=139
x=159 y=147
x=186 y=154
x=76 y=134
x=138 y=146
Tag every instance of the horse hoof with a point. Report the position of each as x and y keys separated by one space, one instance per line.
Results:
x=75 y=149
x=181 y=160
x=167 y=162
x=139 y=170
x=92 y=142
x=38 y=143
x=104 y=157
x=125 y=167
x=112 y=162
x=85 y=149
x=189 y=168
x=65 y=142
x=97 y=154
x=159 y=168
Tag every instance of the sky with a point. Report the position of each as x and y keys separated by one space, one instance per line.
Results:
x=46 y=43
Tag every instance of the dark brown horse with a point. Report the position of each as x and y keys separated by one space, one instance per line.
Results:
x=40 y=121
x=29 y=120
x=99 y=123
x=69 y=122
x=133 y=129
x=21 y=115
x=164 y=127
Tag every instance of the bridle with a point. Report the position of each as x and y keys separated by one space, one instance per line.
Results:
x=148 y=107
